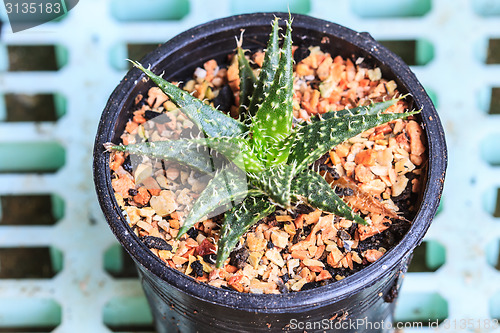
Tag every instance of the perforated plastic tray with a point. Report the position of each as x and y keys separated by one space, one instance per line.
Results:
x=60 y=267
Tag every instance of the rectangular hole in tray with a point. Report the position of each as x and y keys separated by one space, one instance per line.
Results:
x=37 y=107
x=493 y=254
x=493 y=54
x=29 y=262
x=428 y=257
x=494 y=107
x=496 y=212
x=295 y=6
x=22 y=157
x=40 y=209
x=424 y=308
x=29 y=315
x=118 y=263
x=152 y=10
x=138 y=51
x=491 y=201
x=490 y=150
x=390 y=8
x=36 y=57
x=128 y=314
x=413 y=52
x=120 y=52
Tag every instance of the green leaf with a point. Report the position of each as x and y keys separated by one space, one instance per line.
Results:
x=373 y=108
x=247 y=81
x=311 y=187
x=314 y=140
x=273 y=121
x=237 y=150
x=182 y=151
x=268 y=70
x=210 y=120
x=237 y=221
x=229 y=185
x=280 y=151
x=275 y=182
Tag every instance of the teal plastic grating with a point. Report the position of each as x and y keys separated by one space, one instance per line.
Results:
x=60 y=267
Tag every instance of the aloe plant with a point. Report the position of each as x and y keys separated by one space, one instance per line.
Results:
x=274 y=155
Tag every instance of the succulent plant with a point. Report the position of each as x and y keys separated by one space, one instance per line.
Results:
x=273 y=155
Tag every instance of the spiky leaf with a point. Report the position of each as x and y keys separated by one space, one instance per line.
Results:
x=247 y=81
x=363 y=200
x=268 y=70
x=228 y=185
x=237 y=221
x=182 y=151
x=373 y=108
x=273 y=121
x=236 y=150
x=311 y=187
x=275 y=182
x=280 y=151
x=210 y=120
x=314 y=140
x=193 y=153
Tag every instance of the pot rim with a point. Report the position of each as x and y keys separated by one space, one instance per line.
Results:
x=437 y=157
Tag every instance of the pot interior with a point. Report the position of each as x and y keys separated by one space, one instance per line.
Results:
x=178 y=59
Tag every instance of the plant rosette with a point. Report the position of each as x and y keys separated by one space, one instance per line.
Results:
x=311 y=167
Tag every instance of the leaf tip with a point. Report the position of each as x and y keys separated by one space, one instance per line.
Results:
x=111 y=147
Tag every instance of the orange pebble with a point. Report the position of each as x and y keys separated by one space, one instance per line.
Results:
x=139 y=119
x=323 y=275
x=131 y=127
x=142 y=198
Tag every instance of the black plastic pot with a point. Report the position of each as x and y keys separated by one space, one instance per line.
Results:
x=357 y=303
